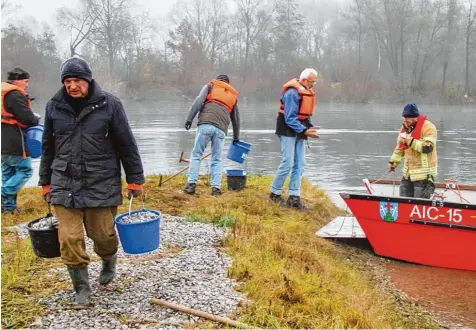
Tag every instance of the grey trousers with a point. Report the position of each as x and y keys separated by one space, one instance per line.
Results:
x=417 y=189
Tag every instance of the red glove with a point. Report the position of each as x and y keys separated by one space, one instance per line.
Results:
x=45 y=193
x=134 y=189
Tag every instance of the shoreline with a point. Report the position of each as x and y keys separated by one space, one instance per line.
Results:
x=283 y=269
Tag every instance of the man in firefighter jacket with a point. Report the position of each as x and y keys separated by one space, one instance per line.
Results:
x=293 y=127
x=16 y=118
x=216 y=106
x=417 y=143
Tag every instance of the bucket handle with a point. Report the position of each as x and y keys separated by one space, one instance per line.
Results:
x=49 y=215
x=130 y=203
x=48 y=206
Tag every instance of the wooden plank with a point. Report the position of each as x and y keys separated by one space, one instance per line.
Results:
x=342 y=227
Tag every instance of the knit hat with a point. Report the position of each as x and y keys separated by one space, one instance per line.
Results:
x=410 y=111
x=223 y=77
x=76 y=67
x=18 y=74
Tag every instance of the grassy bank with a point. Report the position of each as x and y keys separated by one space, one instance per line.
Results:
x=292 y=278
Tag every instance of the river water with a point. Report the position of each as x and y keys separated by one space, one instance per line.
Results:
x=356 y=142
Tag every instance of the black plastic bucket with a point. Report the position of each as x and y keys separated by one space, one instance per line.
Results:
x=45 y=242
x=236 y=179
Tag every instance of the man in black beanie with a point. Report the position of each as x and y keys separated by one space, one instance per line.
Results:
x=86 y=137
x=216 y=106
x=417 y=143
x=16 y=118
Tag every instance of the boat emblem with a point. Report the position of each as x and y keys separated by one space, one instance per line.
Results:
x=389 y=211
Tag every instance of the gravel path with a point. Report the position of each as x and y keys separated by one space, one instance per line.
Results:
x=187 y=269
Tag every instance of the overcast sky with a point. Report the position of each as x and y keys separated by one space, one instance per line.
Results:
x=43 y=10
x=20 y=12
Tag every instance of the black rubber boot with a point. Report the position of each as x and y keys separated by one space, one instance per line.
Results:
x=190 y=188
x=295 y=201
x=108 y=271
x=80 y=279
x=277 y=199
x=216 y=191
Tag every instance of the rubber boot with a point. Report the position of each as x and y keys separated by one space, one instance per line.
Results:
x=108 y=271
x=80 y=279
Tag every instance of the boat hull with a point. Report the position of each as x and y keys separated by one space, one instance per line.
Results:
x=422 y=231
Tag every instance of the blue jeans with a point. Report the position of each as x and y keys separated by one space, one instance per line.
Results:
x=15 y=173
x=292 y=160
x=205 y=134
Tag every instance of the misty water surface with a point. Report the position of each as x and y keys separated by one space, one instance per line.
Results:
x=356 y=141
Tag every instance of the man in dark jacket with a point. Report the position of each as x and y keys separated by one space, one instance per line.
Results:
x=16 y=117
x=217 y=106
x=86 y=137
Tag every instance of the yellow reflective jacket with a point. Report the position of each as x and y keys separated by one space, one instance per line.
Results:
x=418 y=165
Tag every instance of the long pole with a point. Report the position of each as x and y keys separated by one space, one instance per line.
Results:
x=181 y=171
x=196 y=312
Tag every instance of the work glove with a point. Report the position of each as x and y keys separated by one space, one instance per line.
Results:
x=45 y=193
x=236 y=141
x=134 y=190
x=188 y=124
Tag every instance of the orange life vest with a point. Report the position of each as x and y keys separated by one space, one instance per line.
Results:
x=307 y=99
x=222 y=94
x=416 y=134
x=7 y=117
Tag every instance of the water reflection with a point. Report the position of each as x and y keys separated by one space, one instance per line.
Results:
x=451 y=293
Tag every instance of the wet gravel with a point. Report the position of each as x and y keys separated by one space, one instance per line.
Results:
x=45 y=224
x=188 y=269
x=138 y=217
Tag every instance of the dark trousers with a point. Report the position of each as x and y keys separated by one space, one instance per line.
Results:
x=417 y=189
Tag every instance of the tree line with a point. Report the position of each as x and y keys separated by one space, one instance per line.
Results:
x=363 y=50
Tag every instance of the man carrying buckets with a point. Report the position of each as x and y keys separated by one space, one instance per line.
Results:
x=16 y=118
x=293 y=126
x=217 y=106
x=86 y=137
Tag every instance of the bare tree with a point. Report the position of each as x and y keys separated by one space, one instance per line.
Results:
x=470 y=29
x=206 y=20
x=80 y=23
x=388 y=20
x=356 y=19
x=254 y=19
x=429 y=22
x=111 y=25
x=8 y=7
x=448 y=45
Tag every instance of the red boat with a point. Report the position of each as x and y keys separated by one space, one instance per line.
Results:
x=430 y=232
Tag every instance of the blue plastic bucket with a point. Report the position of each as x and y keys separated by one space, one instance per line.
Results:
x=237 y=152
x=139 y=237
x=235 y=173
x=34 y=135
